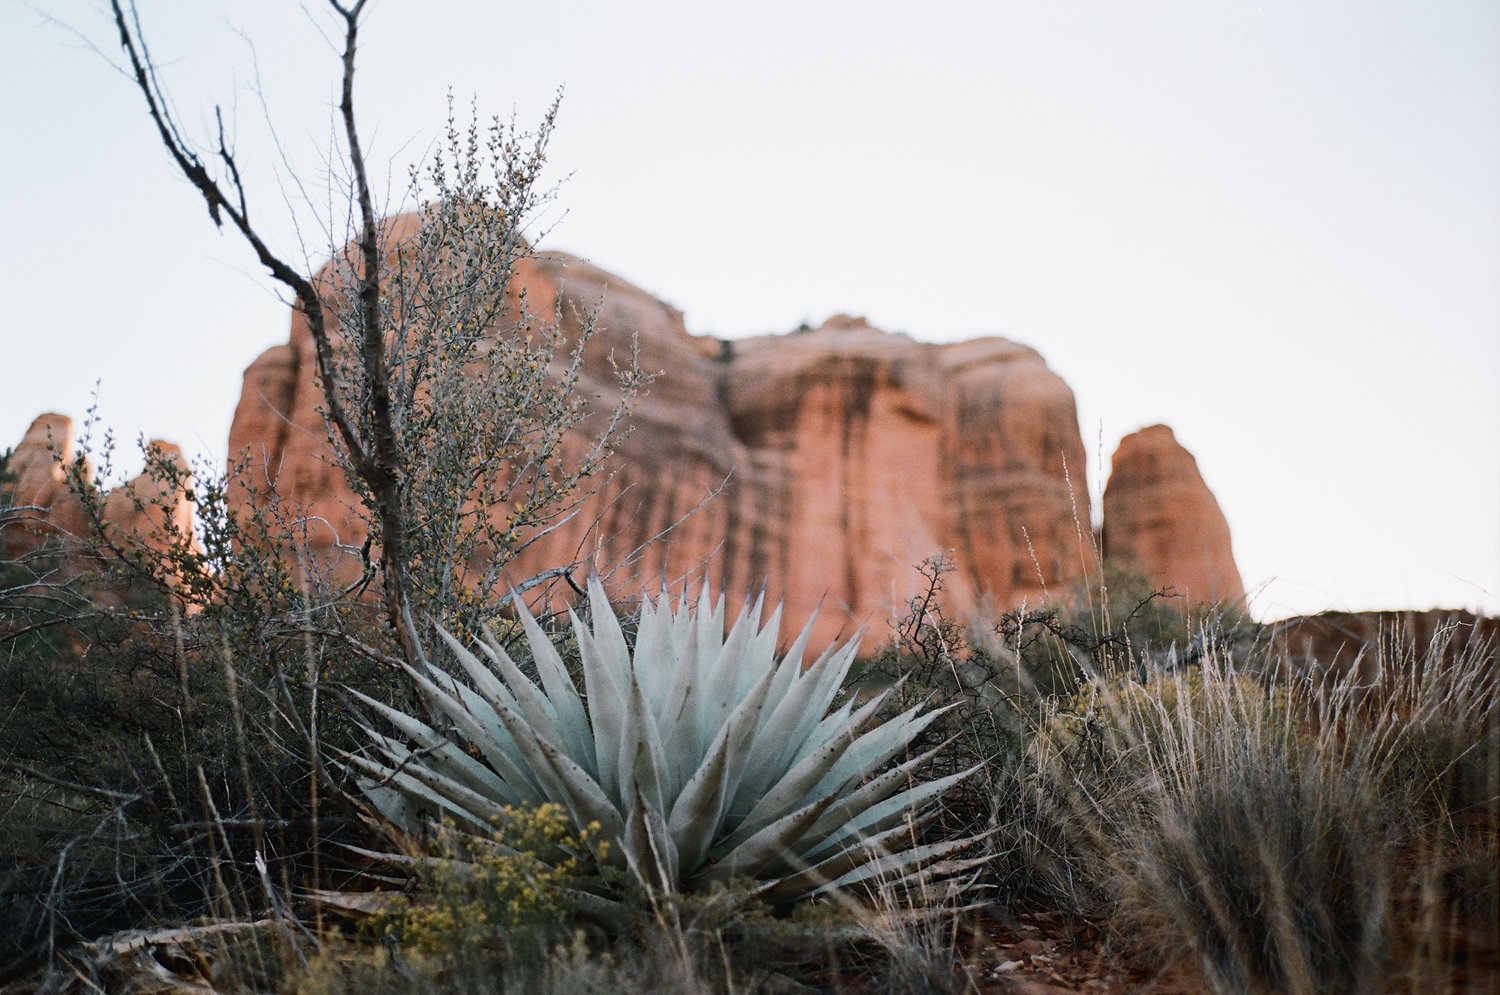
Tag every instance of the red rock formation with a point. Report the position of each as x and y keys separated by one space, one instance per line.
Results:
x=45 y=510
x=42 y=505
x=149 y=512
x=820 y=464
x=877 y=451
x=1161 y=520
x=1341 y=642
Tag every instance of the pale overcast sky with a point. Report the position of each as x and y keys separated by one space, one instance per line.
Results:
x=1273 y=226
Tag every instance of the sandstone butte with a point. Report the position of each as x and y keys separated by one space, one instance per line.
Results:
x=818 y=465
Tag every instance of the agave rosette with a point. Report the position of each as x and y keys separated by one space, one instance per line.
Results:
x=702 y=757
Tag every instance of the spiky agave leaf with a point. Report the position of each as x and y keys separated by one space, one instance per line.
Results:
x=700 y=755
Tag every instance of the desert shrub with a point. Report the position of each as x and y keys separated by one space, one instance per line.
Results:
x=655 y=962
x=1289 y=834
x=721 y=939
x=1273 y=874
x=1114 y=622
x=82 y=693
x=1119 y=729
x=1425 y=727
x=117 y=813
x=1166 y=780
x=487 y=902
x=200 y=704
x=1214 y=827
x=932 y=659
x=179 y=771
x=1000 y=682
x=34 y=598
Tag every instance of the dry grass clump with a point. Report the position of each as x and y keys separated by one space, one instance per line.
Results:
x=1291 y=833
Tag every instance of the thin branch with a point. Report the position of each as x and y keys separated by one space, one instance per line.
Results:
x=58 y=782
x=383 y=463
x=377 y=465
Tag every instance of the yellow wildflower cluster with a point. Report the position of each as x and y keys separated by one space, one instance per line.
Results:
x=510 y=889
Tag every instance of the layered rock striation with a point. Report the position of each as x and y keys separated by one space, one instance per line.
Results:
x=818 y=466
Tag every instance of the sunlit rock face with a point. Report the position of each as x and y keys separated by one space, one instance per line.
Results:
x=1161 y=520
x=818 y=466
x=871 y=451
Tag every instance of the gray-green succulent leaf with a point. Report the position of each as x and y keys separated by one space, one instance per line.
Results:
x=690 y=757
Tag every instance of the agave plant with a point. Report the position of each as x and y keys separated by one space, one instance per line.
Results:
x=700 y=757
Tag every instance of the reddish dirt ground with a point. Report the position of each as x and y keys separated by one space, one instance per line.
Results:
x=1038 y=954
x=1034 y=954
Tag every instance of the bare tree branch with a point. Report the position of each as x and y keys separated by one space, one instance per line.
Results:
x=376 y=463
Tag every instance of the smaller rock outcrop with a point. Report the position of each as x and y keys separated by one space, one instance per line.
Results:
x=150 y=512
x=41 y=505
x=43 y=509
x=1162 y=521
x=1342 y=643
